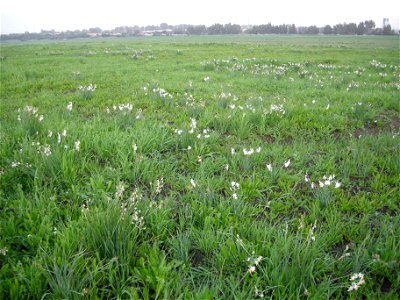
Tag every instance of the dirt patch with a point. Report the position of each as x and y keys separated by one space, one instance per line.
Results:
x=339 y=249
x=388 y=121
x=386 y=285
x=386 y=210
x=269 y=139
x=196 y=257
x=337 y=135
x=359 y=185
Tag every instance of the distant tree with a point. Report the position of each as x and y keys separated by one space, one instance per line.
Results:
x=232 y=28
x=95 y=30
x=216 y=29
x=338 y=29
x=350 y=28
x=283 y=29
x=312 y=30
x=387 y=30
x=361 y=28
x=163 y=26
x=292 y=29
x=328 y=29
x=369 y=26
x=196 y=29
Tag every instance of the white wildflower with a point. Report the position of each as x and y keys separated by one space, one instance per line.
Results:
x=46 y=150
x=69 y=106
x=193 y=183
x=269 y=167
x=120 y=189
x=77 y=145
x=356 y=284
x=248 y=152
x=3 y=251
x=287 y=163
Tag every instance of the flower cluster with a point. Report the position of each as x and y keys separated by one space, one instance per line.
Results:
x=16 y=164
x=30 y=110
x=357 y=279
x=3 y=251
x=275 y=108
x=159 y=184
x=253 y=261
x=86 y=91
x=157 y=91
x=249 y=152
x=325 y=182
x=311 y=233
x=87 y=88
x=234 y=187
x=205 y=133
x=129 y=206
x=77 y=145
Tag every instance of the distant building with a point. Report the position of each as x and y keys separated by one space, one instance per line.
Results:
x=385 y=22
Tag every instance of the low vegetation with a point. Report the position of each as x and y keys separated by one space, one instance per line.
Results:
x=200 y=168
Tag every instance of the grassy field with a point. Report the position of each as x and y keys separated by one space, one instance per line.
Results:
x=200 y=168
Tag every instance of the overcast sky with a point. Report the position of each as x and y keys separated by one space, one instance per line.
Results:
x=30 y=15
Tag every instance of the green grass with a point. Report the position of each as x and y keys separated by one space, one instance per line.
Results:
x=143 y=190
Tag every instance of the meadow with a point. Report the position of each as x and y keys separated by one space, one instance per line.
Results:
x=218 y=167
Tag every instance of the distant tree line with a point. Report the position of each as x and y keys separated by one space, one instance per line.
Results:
x=363 y=28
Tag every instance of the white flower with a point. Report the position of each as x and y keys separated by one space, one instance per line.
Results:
x=258 y=150
x=235 y=185
x=327 y=107
x=252 y=269
x=15 y=164
x=120 y=189
x=46 y=150
x=193 y=183
x=77 y=145
x=206 y=78
x=306 y=178
x=269 y=167
x=258 y=260
x=337 y=184
x=3 y=251
x=69 y=106
x=248 y=152
x=233 y=152
x=355 y=285
x=234 y=196
x=178 y=131
x=134 y=147
x=226 y=167
x=287 y=163
x=189 y=148
x=40 y=118
x=64 y=133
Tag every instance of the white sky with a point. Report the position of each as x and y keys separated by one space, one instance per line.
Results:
x=31 y=15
